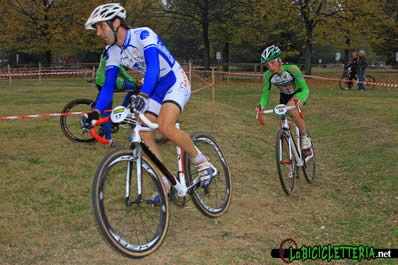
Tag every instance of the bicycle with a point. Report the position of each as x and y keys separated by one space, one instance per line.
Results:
x=346 y=83
x=70 y=124
x=289 y=156
x=126 y=179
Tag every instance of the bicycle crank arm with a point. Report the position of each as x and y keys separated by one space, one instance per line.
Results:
x=181 y=189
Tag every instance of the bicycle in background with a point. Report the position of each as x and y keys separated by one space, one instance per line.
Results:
x=131 y=205
x=70 y=124
x=289 y=156
x=348 y=80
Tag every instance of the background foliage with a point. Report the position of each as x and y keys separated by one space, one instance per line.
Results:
x=49 y=30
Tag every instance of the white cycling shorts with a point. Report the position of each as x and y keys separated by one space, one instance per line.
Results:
x=178 y=94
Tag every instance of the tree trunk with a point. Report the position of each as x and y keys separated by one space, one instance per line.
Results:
x=225 y=54
x=347 y=53
x=48 y=57
x=206 y=55
x=307 y=57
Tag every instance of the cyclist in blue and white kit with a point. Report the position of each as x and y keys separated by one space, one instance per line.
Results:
x=166 y=88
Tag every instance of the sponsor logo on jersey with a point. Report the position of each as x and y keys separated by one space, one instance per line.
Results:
x=144 y=34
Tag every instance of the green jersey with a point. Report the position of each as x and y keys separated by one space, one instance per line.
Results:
x=289 y=82
x=123 y=75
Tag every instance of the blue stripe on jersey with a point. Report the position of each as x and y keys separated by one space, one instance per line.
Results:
x=152 y=71
x=167 y=59
x=163 y=86
x=104 y=99
x=127 y=40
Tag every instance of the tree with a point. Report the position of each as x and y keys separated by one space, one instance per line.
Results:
x=384 y=31
x=44 y=27
x=204 y=13
x=266 y=24
x=359 y=25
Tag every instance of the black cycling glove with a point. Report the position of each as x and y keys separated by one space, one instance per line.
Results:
x=88 y=120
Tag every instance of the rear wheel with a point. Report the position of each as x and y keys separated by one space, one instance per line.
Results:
x=369 y=78
x=214 y=200
x=128 y=216
x=285 y=162
x=309 y=168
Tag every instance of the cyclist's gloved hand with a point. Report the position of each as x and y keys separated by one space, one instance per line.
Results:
x=139 y=103
x=88 y=120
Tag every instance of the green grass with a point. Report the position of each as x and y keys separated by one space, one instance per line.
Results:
x=45 y=180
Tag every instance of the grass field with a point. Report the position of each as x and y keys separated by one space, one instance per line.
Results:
x=45 y=179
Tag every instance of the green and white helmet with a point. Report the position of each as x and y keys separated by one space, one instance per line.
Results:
x=270 y=53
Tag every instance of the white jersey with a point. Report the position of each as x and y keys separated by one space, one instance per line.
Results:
x=162 y=74
x=131 y=54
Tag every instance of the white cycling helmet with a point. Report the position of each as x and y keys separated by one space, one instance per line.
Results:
x=105 y=12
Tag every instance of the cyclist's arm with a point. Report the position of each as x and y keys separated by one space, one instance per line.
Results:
x=266 y=90
x=100 y=74
x=153 y=70
x=105 y=96
x=300 y=84
x=126 y=76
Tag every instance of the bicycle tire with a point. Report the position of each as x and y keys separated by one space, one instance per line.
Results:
x=309 y=167
x=345 y=83
x=285 y=164
x=70 y=123
x=369 y=78
x=137 y=228
x=214 y=200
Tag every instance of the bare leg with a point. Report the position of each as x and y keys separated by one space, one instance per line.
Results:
x=149 y=137
x=296 y=116
x=168 y=116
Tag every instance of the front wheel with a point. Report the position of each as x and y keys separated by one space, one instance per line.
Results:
x=214 y=200
x=285 y=162
x=70 y=123
x=124 y=206
x=345 y=83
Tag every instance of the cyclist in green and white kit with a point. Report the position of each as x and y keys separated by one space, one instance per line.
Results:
x=292 y=87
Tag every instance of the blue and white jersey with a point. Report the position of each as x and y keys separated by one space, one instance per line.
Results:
x=142 y=51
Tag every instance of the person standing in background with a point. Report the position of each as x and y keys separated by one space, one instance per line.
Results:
x=362 y=64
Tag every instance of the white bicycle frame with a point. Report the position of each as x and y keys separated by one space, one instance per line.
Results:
x=281 y=110
x=120 y=114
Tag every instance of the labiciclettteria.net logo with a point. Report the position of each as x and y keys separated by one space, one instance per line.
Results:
x=289 y=252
